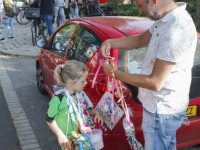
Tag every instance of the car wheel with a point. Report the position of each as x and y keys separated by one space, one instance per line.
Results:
x=39 y=78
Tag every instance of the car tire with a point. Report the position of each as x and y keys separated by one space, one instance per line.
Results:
x=40 y=82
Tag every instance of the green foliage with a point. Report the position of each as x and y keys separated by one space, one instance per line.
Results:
x=191 y=7
x=132 y=10
x=124 y=9
x=129 y=10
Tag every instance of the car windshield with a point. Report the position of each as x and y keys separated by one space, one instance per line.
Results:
x=131 y=61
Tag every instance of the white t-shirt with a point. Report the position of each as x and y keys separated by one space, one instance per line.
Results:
x=174 y=39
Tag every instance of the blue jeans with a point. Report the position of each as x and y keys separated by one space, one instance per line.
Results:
x=61 y=13
x=160 y=130
x=75 y=10
x=6 y=28
x=49 y=23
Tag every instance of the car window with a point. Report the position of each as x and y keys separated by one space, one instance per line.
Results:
x=84 y=44
x=195 y=83
x=196 y=65
x=61 y=39
x=130 y=61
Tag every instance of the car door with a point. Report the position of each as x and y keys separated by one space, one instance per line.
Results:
x=83 y=47
x=189 y=130
x=56 y=52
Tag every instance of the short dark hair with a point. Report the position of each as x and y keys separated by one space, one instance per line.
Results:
x=147 y=1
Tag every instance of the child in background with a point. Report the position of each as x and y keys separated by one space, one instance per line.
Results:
x=70 y=108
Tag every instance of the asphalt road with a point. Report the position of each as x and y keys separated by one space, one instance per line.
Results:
x=7 y=128
x=22 y=74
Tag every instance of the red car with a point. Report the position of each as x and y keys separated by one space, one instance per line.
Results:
x=81 y=39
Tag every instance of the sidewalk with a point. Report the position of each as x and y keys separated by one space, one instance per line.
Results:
x=22 y=44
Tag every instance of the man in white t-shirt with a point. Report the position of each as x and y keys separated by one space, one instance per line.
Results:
x=165 y=76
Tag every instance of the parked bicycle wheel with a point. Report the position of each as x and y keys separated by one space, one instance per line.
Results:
x=58 y=22
x=83 y=12
x=21 y=18
x=45 y=32
x=34 y=33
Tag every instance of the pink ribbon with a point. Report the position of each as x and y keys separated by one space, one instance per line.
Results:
x=95 y=77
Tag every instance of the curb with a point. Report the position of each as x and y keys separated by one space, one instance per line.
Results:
x=16 y=55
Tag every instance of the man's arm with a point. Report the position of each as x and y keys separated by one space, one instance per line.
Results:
x=126 y=43
x=154 y=81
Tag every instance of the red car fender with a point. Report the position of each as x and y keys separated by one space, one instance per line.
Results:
x=39 y=61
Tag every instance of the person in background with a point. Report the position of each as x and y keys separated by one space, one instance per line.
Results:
x=59 y=8
x=46 y=12
x=8 y=7
x=165 y=77
x=70 y=108
x=1 y=13
x=67 y=9
x=74 y=8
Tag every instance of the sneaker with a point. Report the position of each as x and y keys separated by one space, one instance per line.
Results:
x=2 y=39
x=11 y=37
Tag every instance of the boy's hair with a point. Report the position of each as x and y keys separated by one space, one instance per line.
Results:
x=72 y=69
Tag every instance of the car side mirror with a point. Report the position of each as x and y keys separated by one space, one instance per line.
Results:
x=42 y=43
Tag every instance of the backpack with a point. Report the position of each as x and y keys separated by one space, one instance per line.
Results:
x=8 y=8
x=15 y=10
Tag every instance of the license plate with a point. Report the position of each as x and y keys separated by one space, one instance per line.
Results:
x=191 y=111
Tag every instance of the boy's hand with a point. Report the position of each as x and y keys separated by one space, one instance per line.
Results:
x=63 y=141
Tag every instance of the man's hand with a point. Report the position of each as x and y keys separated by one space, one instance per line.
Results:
x=105 y=48
x=108 y=67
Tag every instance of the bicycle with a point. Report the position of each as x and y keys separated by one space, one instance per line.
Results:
x=109 y=11
x=21 y=18
x=38 y=25
x=90 y=8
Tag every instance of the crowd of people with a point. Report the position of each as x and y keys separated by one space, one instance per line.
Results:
x=48 y=9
